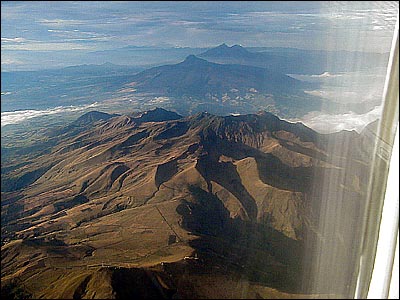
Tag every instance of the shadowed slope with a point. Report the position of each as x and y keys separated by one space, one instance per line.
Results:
x=140 y=192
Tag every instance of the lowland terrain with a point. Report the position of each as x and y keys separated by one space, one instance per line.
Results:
x=220 y=80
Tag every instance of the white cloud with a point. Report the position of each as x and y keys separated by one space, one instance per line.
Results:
x=73 y=33
x=334 y=95
x=9 y=61
x=326 y=75
x=348 y=87
x=378 y=27
x=327 y=123
x=65 y=36
x=15 y=117
x=42 y=46
x=13 y=40
x=186 y=23
x=61 y=22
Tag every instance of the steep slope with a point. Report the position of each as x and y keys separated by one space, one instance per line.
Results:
x=156 y=115
x=91 y=117
x=157 y=198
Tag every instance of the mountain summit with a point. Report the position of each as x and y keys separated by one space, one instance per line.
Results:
x=146 y=205
x=156 y=115
x=196 y=77
x=194 y=59
x=235 y=51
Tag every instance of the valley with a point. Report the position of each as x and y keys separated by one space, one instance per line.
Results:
x=194 y=149
x=180 y=202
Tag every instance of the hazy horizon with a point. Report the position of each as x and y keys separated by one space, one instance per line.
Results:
x=40 y=35
x=184 y=150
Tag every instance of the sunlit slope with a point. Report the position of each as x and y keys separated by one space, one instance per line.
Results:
x=138 y=194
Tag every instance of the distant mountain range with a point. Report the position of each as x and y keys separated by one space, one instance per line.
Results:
x=296 y=61
x=221 y=80
x=235 y=52
x=196 y=85
x=165 y=200
x=198 y=77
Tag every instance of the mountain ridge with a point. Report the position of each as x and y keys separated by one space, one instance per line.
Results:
x=197 y=77
x=224 y=50
x=293 y=60
x=145 y=195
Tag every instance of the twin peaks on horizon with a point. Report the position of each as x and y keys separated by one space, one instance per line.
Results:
x=222 y=50
x=218 y=51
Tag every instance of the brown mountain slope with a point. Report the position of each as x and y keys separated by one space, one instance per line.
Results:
x=172 y=203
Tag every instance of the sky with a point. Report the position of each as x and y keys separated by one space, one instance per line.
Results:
x=68 y=30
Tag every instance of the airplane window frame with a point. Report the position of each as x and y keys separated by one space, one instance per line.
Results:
x=377 y=262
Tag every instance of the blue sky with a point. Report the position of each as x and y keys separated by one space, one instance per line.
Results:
x=62 y=30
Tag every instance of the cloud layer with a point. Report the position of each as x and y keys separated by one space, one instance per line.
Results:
x=16 y=117
x=348 y=87
x=328 y=123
